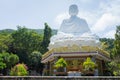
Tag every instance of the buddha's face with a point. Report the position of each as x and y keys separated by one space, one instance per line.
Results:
x=73 y=10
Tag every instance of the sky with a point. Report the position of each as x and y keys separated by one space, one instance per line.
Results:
x=102 y=16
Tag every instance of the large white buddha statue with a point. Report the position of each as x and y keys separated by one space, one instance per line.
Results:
x=74 y=25
x=73 y=31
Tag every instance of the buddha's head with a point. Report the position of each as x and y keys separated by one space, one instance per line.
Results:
x=73 y=10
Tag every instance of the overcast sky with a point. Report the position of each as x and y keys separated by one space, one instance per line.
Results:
x=102 y=16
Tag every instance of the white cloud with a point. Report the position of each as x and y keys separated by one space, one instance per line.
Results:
x=111 y=6
x=106 y=20
x=110 y=17
x=90 y=17
x=110 y=34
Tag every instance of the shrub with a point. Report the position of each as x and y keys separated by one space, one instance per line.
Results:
x=2 y=64
x=19 y=70
x=89 y=65
x=60 y=63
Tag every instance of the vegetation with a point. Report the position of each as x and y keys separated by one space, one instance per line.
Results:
x=35 y=61
x=114 y=65
x=89 y=65
x=25 y=42
x=60 y=63
x=6 y=31
x=39 y=31
x=46 y=38
x=108 y=45
x=7 y=60
x=27 y=46
x=117 y=42
x=19 y=70
x=2 y=64
x=109 y=42
x=5 y=41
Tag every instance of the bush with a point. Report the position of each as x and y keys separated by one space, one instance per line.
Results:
x=19 y=70
x=60 y=63
x=2 y=64
x=89 y=65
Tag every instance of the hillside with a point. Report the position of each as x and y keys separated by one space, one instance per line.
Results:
x=39 y=31
x=7 y=31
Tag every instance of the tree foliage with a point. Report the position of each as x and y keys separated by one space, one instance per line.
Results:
x=108 y=42
x=46 y=38
x=60 y=63
x=107 y=45
x=5 y=41
x=117 y=42
x=114 y=65
x=25 y=42
x=9 y=59
x=35 y=61
x=89 y=65
x=35 y=58
x=13 y=59
x=19 y=70
x=2 y=64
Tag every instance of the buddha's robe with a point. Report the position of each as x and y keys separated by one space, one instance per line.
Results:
x=74 y=25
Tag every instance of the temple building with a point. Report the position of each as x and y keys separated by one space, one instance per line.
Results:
x=74 y=42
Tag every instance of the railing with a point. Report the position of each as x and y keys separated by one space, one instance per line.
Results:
x=59 y=77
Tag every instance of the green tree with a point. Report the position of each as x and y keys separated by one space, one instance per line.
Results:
x=25 y=41
x=35 y=58
x=115 y=63
x=35 y=61
x=114 y=66
x=9 y=60
x=109 y=42
x=46 y=38
x=19 y=70
x=13 y=59
x=108 y=45
x=2 y=64
x=60 y=64
x=89 y=65
x=117 y=42
x=5 y=41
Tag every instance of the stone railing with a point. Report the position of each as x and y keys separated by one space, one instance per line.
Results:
x=59 y=77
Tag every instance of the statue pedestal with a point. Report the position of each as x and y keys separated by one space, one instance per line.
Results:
x=70 y=40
